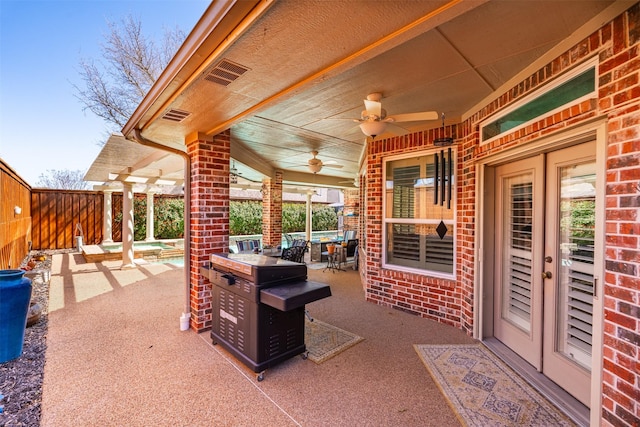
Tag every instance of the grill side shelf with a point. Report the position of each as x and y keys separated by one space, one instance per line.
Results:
x=294 y=295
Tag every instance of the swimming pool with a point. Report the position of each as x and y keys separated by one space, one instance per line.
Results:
x=137 y=246
x=147 y=250
x=178 y=262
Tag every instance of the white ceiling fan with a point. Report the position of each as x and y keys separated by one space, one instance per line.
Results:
x=315 y=164
x=374 y=120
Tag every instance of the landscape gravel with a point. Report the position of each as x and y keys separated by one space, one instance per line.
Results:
x=21 y=378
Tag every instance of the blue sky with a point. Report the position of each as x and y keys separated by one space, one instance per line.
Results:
x=42 y=124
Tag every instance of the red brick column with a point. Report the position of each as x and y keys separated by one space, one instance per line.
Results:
x=351 y=210
x=209 y=215
x=272 y=210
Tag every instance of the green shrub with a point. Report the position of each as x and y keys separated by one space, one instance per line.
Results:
x=245 y=218
x=324 y=218
x=169 y=218
x=293 y=217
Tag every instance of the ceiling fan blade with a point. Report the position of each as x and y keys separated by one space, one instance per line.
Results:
x=414 y=117
x=374 y=108
x=328 y=165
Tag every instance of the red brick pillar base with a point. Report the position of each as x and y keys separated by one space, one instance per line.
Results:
x=209 y=215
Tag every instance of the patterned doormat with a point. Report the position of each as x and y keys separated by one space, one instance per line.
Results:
x=324 y=341
x=483 y=391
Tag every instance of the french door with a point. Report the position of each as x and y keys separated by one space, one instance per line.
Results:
x=544 y=266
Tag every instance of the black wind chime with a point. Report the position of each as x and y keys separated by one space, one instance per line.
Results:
x=443 y=177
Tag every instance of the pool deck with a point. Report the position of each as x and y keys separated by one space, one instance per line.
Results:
x=113 y=251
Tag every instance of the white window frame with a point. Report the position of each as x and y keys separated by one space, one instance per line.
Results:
x=386 y=221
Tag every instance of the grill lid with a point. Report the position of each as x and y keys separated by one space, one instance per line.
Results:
x=259 y=269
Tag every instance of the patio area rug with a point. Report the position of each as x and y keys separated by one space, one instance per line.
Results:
x=324 y=341
x=483 y=391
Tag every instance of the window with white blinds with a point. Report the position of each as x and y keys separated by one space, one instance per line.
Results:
x=419 y=212
x=576 y=272
x=517 y=273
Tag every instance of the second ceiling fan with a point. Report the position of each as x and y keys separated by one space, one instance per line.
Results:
x=374 y=120
x=315 y=164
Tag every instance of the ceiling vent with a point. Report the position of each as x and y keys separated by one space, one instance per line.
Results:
x=176 y=115
x=226 y=72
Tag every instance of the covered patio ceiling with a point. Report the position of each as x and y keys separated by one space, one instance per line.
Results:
x=121 y=160
x=288 y=77
x=150 y=169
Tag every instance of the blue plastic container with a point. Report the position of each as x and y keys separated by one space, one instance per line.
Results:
x=15 y=295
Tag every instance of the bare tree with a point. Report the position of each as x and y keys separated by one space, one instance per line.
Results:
x=131 y=63
x=63 y=179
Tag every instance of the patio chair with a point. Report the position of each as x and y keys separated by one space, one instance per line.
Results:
x=352 y=244
x=352 y=252
x=294 y=253
x=289 y=240
x=301 y=243
x=349 y=235
x=298 y=253
x=287 y=254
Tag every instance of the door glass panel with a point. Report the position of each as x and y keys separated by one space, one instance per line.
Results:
x=517 y=244
x=576 y=252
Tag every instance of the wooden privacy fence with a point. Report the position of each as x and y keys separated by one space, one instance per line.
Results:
x=15 y=217
x=55 y=215
x=41 y=218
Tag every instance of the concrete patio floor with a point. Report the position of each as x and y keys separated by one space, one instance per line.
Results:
x=116 y=357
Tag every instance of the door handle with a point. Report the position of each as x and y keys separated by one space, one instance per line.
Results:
x=546 y=275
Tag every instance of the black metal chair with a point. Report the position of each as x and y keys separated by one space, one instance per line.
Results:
x=287 y=254
x=298 y=253
x=289 y=240
x=294 y=253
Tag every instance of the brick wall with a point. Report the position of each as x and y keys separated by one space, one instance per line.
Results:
x=272 y=210
x=351 y=210
x=209 y=216
x=617 y=47
x=432 y=298
x=619 y=98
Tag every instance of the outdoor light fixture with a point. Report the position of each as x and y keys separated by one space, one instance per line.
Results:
x=373 y=128
x=315 y=168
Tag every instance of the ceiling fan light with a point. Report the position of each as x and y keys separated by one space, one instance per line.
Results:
x=315 y=167
x=373 y=129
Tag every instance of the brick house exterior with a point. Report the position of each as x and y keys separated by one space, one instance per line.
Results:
x=610 y=119
x=617 y=49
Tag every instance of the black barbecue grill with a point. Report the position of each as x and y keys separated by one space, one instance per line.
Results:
x=258 y=307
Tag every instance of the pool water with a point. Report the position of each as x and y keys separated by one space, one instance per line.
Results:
x=178 y=262
x=137 y=246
